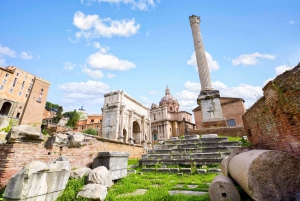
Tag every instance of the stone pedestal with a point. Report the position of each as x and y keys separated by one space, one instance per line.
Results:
x=131 y=141
x=115 y=162
x=121 y=139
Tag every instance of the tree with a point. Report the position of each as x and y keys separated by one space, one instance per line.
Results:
x=73 y=118
x=54 y=108
x=91 y=131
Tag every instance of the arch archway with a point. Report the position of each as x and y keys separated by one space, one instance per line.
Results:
x=124 y=135
x=136 y=132
x=5 y=108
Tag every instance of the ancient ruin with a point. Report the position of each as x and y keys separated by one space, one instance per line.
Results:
x=208 y=97
x=125 y=119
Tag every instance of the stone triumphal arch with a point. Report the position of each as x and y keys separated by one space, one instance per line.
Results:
x=125 y=119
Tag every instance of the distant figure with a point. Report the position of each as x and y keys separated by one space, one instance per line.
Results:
x=186 y=129
x=81 y=108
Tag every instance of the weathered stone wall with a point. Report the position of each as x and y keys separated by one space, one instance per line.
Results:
x=224 y=131
x=273 y=122
x=14 y=156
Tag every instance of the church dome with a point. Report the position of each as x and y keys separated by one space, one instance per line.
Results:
x=170 y=101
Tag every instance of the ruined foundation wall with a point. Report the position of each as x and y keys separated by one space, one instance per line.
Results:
x=273 y=122
x=14 y=156
x=223 y=131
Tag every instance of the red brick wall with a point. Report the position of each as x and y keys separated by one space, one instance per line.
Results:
x=273 y=122
x=224 y=131
x=14 y=156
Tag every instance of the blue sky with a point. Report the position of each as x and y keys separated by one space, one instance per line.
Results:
x=87 y=48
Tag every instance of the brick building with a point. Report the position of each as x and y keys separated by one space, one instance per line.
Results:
x=93 y=121
x=22 y=95
x=232 y=108
x=273 y=122
x=166 y=119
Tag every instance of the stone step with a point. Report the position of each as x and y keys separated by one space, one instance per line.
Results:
x=191 y=141
x=193 y=150
x=195 y=161
x=186 y=156
x=196 y=145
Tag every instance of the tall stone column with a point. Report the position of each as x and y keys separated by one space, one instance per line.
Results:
x=203 y=69
x=208 y=98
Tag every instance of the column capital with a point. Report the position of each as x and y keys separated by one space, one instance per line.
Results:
x=194 y=19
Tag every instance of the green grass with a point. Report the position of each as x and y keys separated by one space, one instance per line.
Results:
x=2 y=193
x=133 y=161
x=71 y=190
x=158 y=186
x=232 y=139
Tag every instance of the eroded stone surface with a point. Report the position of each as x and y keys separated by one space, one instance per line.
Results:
x=137 y=192
x=39 y=181
x=80 y=172
x=24 y=133
x=205 y=136
x=93 y=191
x=100 y=175
x=223 y=188
x=176 y=192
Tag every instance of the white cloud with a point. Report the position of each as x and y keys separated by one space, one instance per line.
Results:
x=96 y=74
x=71 y=40
x=25 y=55
x=101 y=49
x=282 y=69
x=92 y=26
x=109 y=62
x=7 y=52
x=2 y=62
x=135 y=4
x=251 y=59
x=147 y=33
x=291 y=22
x=187 y=98
x=69 y=66
x=109 y=75
x=152 y=92
x=212 y=64
x=90 y=92
x=145 y=101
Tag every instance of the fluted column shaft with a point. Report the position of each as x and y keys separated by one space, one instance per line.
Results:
x=203 y=69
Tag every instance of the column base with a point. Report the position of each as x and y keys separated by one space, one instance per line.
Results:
x=214 y=123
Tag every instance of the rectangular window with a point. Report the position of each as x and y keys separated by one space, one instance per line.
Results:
x=18 y=74
x=231 y=122
x=4 y=81
x=25 y=77
x=92 y=120
x=22 y=87
x=20 y=93
x=1 y=87
x=26 y=95
x=11 y=90
x=23 y=83
x=6 y=75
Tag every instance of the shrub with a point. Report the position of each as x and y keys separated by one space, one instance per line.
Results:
x=71 y=190
x=90 y=131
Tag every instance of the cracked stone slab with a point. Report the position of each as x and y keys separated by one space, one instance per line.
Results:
x=177 y=192
x=179 y=186
x=192 y=186
x=137 y=192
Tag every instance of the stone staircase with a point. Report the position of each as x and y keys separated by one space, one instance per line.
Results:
x=191 y=151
